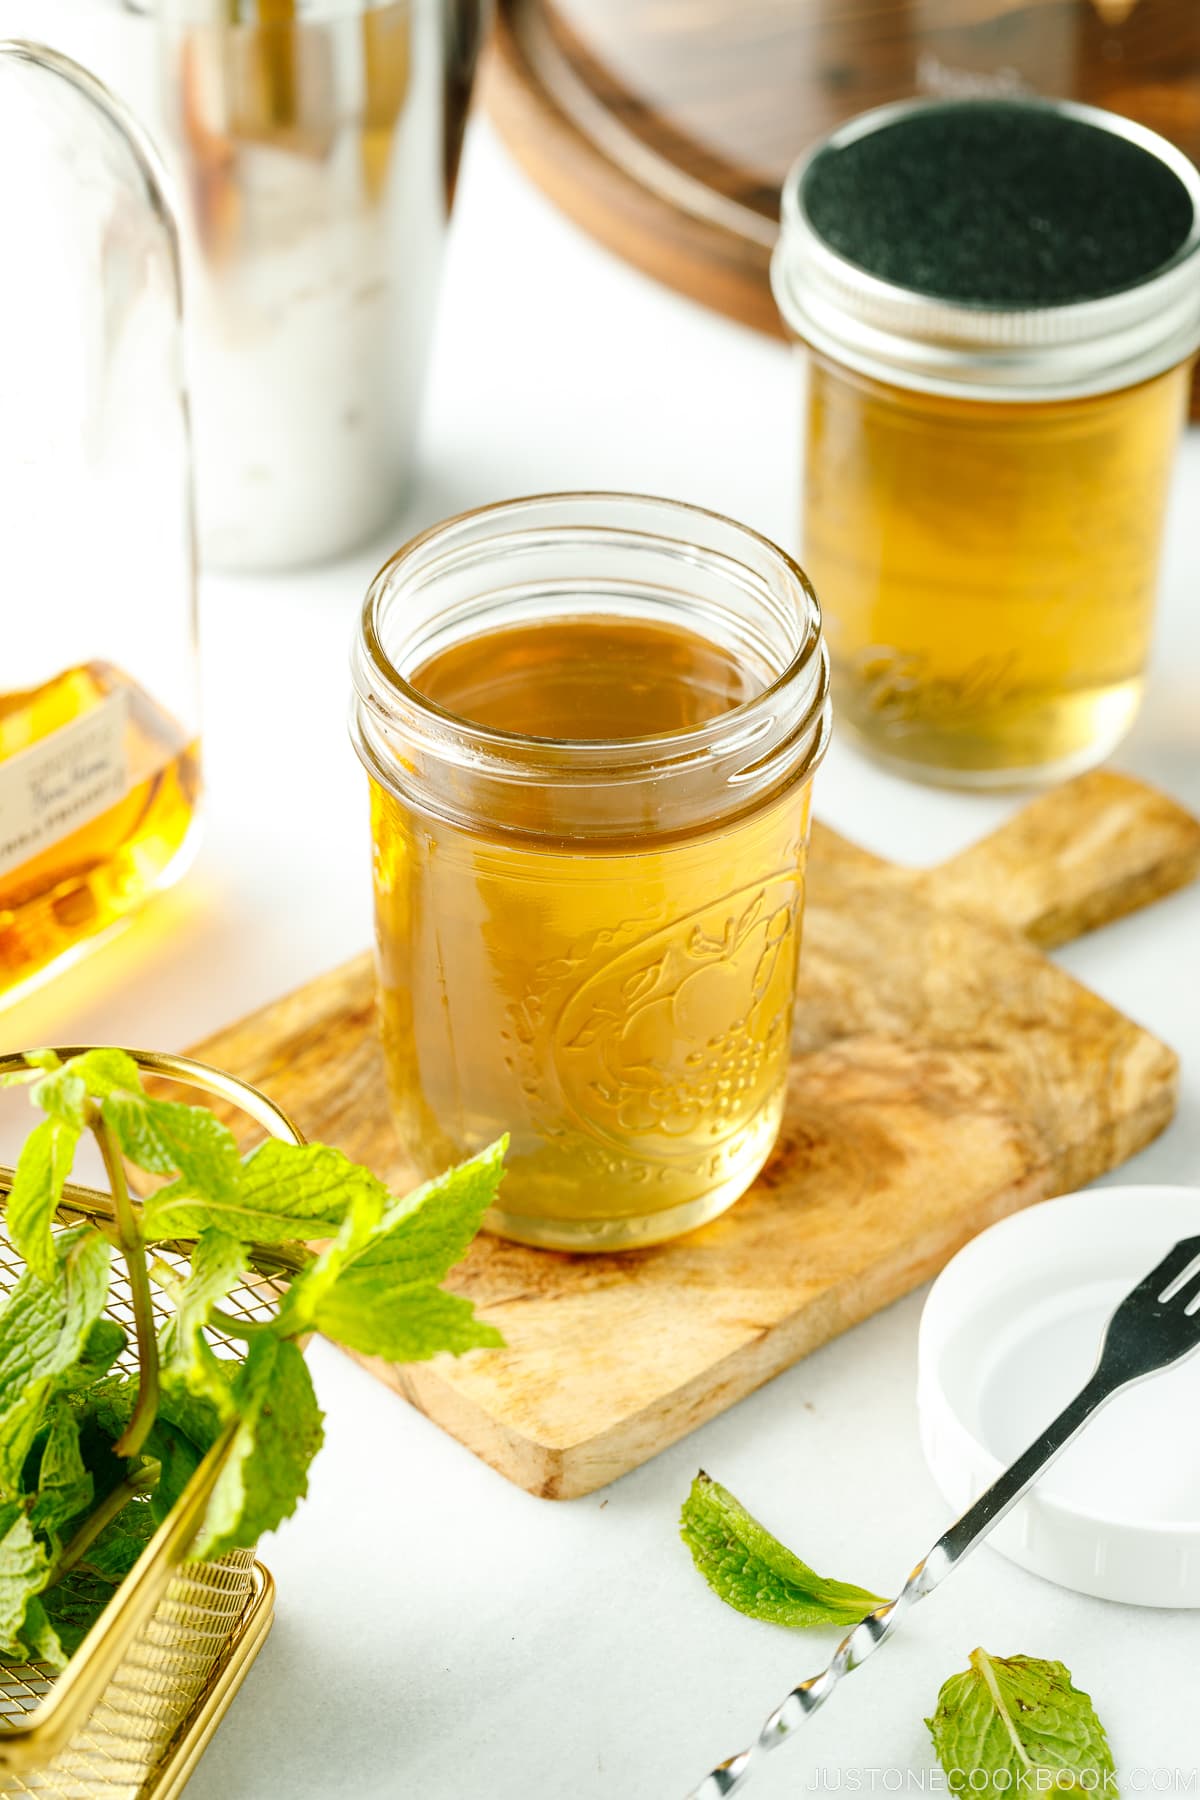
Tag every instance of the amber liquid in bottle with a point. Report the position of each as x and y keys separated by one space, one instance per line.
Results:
x=621 y=1007
x=987 y=572
x=78 y=880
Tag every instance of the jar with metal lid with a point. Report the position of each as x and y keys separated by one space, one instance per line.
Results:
x=997 y=302
x=591 y=723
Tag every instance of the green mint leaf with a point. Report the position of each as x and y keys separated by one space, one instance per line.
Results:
x=41 y=1172
x=63 y=1097
x=194 y=1414
x=367 y=1312
x=119 y=1545
x=104 y=1071
x=165 y=1137
x=218 y=1263
x=44 y=1328
x=72 y=1607
x=41 y=1641
x=278 y=1434
x=1007 y=1717
x=178 y=1459
x=307 y=1182
x=37 y=1064
x=186 y=1426
x=99 y=1428
x=382 y=1297
x=361 y=1224
x=754 y=1573
x=104 y=1342
x=65 y=1485
x=24 y=1567
x=283 y=1191
x=65 y=1088
x=73 y=1604
x=420 y=1238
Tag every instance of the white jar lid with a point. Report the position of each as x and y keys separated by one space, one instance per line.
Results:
x=1009 y=1333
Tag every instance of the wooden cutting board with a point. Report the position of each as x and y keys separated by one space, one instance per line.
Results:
x=666 y=130
x=945 y=1073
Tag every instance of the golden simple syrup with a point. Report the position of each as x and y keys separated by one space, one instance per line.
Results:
x=622 y=1009
x=987 y=572
x=75 y=887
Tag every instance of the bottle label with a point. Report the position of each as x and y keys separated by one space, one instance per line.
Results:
x=63 y=782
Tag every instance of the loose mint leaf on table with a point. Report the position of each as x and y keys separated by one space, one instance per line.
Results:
x=754 y=1573
x=1015 y=1724
x=41 y=1172
x=283 y=1191
x=279 y=1432
x=44 y=1329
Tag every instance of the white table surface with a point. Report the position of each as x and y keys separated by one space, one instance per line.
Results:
x=440 y=1633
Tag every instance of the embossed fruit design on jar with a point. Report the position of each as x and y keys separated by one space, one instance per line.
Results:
x=591 y=723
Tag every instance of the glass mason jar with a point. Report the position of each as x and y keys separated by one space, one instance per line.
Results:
x=591 y=723
x=99 y=727
x=986 y=467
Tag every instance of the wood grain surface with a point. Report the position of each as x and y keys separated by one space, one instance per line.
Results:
x=945 y=1073
x=666 y=130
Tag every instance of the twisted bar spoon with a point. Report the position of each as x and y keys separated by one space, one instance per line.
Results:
x=1156 y=1325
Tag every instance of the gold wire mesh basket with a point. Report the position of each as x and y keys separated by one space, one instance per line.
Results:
x=129 y=1716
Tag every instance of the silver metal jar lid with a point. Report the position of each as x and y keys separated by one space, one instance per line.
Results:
x=914 y=340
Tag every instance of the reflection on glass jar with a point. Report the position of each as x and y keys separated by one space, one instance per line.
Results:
x=591 y=724
x=998 y=303
x=99 y=734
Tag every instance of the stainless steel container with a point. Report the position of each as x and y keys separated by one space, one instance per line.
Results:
x=314 y=145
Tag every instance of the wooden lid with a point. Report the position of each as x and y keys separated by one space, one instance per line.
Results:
x=666 y=128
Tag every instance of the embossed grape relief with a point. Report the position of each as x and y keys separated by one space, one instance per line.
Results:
x=677 y=1037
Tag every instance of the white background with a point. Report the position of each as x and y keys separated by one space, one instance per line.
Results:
x=440 y=1633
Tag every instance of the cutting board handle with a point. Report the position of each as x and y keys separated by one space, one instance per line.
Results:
x=1077 y=857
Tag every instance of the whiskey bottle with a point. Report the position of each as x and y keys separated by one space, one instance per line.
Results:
x=99 y=734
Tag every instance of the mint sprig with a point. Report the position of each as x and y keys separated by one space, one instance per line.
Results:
x=753 y=1572
x=1016 y=1724
x=92 y=1458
